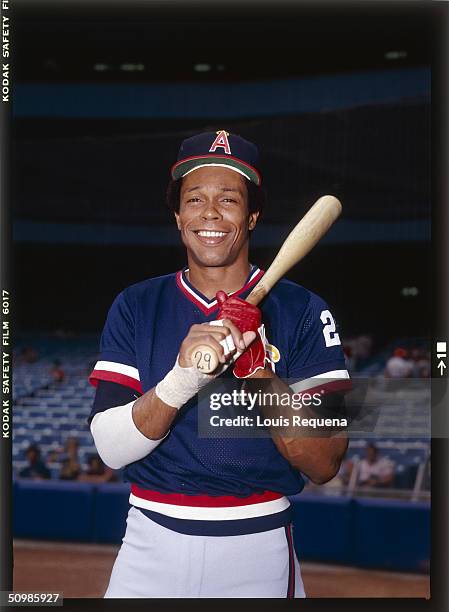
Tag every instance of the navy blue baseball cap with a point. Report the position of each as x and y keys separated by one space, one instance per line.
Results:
x=218 y=149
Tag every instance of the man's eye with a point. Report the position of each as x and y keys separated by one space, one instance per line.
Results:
x=193 y=199
x=228 y=200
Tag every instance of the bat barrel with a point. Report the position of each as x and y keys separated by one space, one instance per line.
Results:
x=312 y=227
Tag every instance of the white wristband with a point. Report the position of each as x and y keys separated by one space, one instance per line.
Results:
x=181 y=384
x=118 y=440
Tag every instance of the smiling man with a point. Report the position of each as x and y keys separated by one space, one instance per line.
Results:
x=210 y=517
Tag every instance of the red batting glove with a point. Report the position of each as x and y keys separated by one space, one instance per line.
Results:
x=246 y=317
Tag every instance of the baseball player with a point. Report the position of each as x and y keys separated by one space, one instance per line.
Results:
x=210 y=517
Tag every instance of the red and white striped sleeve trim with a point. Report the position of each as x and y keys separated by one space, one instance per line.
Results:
x=116 y=372
x=326 y=382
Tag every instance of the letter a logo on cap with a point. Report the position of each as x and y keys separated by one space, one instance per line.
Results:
x=222 y=142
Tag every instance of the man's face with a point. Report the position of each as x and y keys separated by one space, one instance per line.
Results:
x=213 y=216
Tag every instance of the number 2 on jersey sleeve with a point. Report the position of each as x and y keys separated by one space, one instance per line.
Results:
x=331 y=337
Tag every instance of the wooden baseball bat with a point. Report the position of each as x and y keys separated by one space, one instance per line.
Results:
x=312 y=227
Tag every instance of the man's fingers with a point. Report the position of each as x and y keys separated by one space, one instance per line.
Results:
x=223 y=336
x=214 y=327
x=228 y=344
x=237 y=340
x=214 y=343
x=249 y=337
x=236 y=334
x=221 y=297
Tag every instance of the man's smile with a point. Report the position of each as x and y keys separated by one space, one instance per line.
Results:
x=210 y=237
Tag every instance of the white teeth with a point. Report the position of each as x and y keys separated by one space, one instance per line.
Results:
x=211 y=234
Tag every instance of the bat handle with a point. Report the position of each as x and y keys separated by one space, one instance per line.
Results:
x=204 y=358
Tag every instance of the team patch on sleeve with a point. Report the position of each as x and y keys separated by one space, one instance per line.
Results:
x=116 y=372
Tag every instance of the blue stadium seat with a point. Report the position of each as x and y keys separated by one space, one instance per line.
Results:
x=39 y=426
x=405 y=476
x=48 y=438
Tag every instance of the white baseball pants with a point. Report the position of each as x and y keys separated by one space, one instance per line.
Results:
x=154 y=561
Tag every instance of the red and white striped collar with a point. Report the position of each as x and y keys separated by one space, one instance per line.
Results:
x=207 y=306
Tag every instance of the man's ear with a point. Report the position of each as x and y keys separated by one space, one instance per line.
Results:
x=177 y=221
x=253 y=220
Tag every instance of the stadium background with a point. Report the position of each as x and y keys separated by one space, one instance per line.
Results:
x=100 y=106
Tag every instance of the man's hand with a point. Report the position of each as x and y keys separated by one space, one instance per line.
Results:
x=247 y=318
x=184 y=380
x=226 y=339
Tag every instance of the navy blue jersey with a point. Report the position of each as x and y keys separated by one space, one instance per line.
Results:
x=139 y=346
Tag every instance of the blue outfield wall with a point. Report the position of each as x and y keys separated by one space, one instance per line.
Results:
x=387 y=536
x=110 y=511
x=223 y=100
x=369 y=533
x=267 y=235
x=53 y=510
x=323 y=528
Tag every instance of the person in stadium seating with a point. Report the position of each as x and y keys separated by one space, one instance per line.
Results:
x=421 y=363
x=97 y=471
x=57 y=373
x=28 y=354
x=71 y=468
x=399 y=365
x=36 y=469
x=345 y=471
x=68 y=471
x=349 y=357
x=375 y=471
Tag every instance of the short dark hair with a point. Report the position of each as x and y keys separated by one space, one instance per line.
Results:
x=256 y=196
